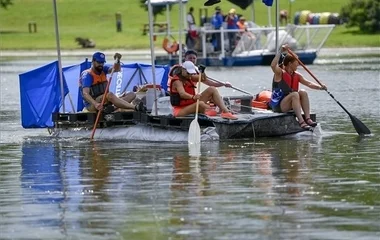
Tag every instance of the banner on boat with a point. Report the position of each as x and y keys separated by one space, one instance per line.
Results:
x=40 y=91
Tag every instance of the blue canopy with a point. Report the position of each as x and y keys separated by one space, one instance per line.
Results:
x=40 y=93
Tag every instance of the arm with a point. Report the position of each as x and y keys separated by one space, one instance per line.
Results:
x=311 y=84
x=116 y=67
x=87 y=96
x=274 y=65
x=181 y=91
x=86 y=83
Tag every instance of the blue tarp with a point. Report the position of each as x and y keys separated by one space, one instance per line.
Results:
x=40 y=96
x=40 y=93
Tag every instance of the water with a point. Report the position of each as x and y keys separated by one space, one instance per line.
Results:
x=294 y=187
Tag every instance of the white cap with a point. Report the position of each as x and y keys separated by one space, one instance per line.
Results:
x=190 y=67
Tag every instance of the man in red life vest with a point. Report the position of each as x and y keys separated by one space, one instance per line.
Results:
x=93 y=84
x=286 y=80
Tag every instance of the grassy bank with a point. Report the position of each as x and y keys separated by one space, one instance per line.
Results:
x=95 y=19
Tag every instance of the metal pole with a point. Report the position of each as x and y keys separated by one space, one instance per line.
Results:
x=253 y=11
x=180 y=31
x=277 y=23
x=59 y=55
x=152 y=55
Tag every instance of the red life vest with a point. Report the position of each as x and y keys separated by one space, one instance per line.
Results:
x=292 y=80
x=189 y=88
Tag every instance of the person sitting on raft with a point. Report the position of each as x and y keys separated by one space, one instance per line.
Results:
x=183 y=96
x=93 y=84
x=286 y=80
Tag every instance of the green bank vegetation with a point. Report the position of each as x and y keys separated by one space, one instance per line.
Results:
x=95 y=19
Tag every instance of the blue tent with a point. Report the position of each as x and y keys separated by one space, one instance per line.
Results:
x=40 y=92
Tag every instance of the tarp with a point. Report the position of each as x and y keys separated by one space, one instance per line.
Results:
x=40 y=96
x=40 y=93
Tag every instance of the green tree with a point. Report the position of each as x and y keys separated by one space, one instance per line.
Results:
x=364 y=14
x=5 y=3
x=158 y=9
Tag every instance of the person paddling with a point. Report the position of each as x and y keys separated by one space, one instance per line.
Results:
x=286 y=94
x=183 y=96
x=93 y=84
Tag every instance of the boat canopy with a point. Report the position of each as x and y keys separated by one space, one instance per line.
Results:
x=40 y=92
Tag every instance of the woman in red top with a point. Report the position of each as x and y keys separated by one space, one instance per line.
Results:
x=287 y=79
x=183 y=95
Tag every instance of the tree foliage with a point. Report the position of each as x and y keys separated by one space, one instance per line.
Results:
x=364 y=14
x=5 y=3
x=155 y=9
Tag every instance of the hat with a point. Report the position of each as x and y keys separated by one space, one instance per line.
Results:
x=232 y=10
x=190 y=67
x=217 y=8
x=99 y=57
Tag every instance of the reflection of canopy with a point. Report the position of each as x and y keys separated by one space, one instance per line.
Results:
x=243 y=4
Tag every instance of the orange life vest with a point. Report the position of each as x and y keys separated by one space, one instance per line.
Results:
x=99 y=83
x=189 y=88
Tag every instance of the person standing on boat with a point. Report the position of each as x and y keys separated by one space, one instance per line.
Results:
x=232 y=20
x=183 y=96
x=286 y=94
x=191 y=29
x=93 y=83
x=217 y=21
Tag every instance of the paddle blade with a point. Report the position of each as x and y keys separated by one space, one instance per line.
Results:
x=194 y=136
x=360 y=128
x=194 y=150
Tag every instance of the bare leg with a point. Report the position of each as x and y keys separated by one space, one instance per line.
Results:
x=292 y=101
x=211 y=93
x=118 y=102
x=129 y=97
x=305 y=103
x=191 y=109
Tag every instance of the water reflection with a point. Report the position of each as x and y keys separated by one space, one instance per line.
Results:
x=281 y=188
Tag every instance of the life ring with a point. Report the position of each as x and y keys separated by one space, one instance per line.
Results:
x=170 y=46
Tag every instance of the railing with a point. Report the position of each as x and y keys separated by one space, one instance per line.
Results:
x=304 y=37
x=299 y=37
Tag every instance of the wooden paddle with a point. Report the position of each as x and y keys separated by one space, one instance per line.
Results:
x=360 y=128
x=194 y=136
x=103 y=100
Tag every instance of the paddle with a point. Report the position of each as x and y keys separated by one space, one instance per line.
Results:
x=103 y=100
x=359 y=126
x=194 y=136
x=238 y=89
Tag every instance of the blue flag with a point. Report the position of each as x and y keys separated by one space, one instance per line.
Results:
x=269 y=3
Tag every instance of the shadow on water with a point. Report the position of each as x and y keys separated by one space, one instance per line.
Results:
x=269 y=189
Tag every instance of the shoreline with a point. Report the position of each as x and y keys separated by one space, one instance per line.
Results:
x=145 y=53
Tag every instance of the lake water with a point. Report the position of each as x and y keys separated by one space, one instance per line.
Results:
x=293 y=187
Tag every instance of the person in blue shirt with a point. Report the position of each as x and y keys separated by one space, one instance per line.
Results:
x=217 y=21
x=93 y=83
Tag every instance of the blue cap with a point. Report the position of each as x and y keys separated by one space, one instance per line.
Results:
x=99 y=57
